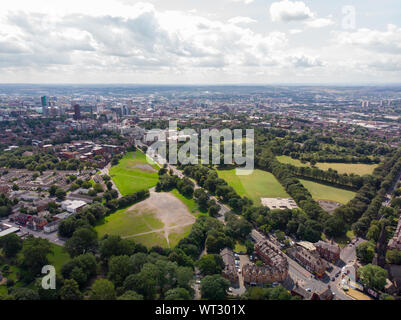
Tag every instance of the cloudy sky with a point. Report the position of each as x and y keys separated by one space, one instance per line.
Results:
x=200 y=41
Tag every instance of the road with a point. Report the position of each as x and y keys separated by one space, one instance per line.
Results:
x=389 y=195
x=105 y=171
x=299 y=274
x=52 y=237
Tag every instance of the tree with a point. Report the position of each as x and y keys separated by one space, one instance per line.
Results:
x=216 y=241
x=11 y=245
x=34 y=254
x=365 y=252
x=80 y=268
x=115 y=246
x=249 y=246
x=79 y=276
x=144 y=282
x=278 y=293
x=120 y=267
x=393 y=256
x=24 y=294
x=334 y=227
x=374 y=231
x=82 y=241
x=177 y=294
x=60 y=194
x=238 y=227
x=130 y=295
x=214 y=210
x=70 y=290
x=210 y=264
x=98 y=188
x=138 y=260
x=52 y=190
x=184 y=276
x=373 y=277
x=214 y=287
x=102 y=289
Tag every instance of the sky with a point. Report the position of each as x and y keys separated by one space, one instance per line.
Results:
x=200 y=41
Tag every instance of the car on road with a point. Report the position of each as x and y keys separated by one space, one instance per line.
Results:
x=338 y=273
x=197 y=281
x=333 y=279
x=308 y=289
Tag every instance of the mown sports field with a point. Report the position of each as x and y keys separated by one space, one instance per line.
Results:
x=161 y=220
x=356 y=168
x=324 y=192
x=259 y=184
x=134 y=173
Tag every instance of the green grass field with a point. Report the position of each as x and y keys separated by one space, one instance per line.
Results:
x=175 y=237
x=151 y=239
x=356 y=168
x=239 y=247
x=59 y=257
x=259 y=184
x=134 y=173
x=294 y=162
x=127 y=222
x=324 y=192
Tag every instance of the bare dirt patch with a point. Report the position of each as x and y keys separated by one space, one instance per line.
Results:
x=329 y=206
x=166 y=208
x=143 y=167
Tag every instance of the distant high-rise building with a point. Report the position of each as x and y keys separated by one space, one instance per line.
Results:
x=125 y=110
x=44 y=100
x=77 y=112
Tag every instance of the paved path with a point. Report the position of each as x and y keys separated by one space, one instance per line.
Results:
x=105 y=171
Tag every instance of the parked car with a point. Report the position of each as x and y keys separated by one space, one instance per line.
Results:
x=333 y=279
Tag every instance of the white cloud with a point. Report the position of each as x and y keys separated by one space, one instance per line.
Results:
x=243 y=1
x=295 y=31
x=128 y=41
x=382 y=41
x=288 y=11
x=304 y=61
x=239 y=20
x=319 y=22
x=146 y=39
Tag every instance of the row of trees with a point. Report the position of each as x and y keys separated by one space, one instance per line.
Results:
x=40 y=161
x=208 y=179
x=330 y=176
x=361 y=226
